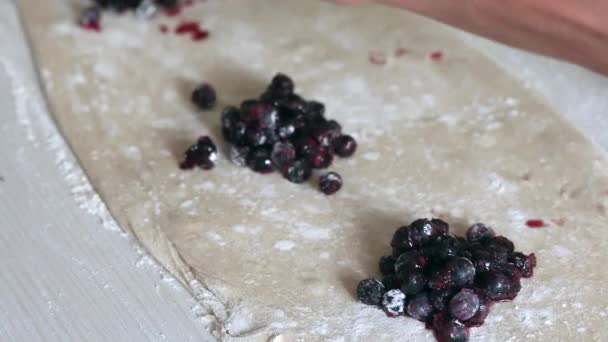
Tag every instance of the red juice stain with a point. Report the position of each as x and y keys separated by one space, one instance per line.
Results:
x=535 y=223
x=400 y=51
x=163 y=28
x=93 y=26
x=436 y=55
x=376 y=58
x=193 y=29
x=188 y=2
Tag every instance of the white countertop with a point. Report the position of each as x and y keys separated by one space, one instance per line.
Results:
x=70 y=274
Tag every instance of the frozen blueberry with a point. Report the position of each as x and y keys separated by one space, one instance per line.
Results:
x=344 y=146
x=286 y=129
x=462 y=271
x=370 y=291
x=281 y=85
x=259 y=160
x=146 y=9
x=315 y=108
x=390 y=281
x=484 y=309
x=412 y=282
x=260 y=115
x=325 y=133
x=410 y=261
x=440 y=298
x=479 y=232
x=393 y=303
x=464 y=304
x=202 y=154
x=330 y=183
x=421 y=231
x=498 y=286
x=449 y=330
x=283 y=154
x=387 y=264
x=204 y=96
x=322 y=158
x=167 y=3
x=401 y=239
x=297 y=172
x=420 y=307
x=525 y=263
x=90 y=18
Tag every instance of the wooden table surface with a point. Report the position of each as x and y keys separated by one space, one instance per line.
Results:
x=68 y=272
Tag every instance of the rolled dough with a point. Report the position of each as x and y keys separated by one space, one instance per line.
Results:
x=270 y=260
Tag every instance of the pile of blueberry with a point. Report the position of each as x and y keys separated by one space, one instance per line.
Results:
x=280 y=131
x=90 y=17
x=448 y=282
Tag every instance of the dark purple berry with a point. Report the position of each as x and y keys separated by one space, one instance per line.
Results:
x=440 y=227
x=421 y=231
x=449 y=330
x=464 y=304
x=327 y=132
x=410 y=261
x=484 y=309
x=233 y=128
x=315 y=108
x=202 y=154
x=259 y=160
x=119 y=5
x=260 y=115
x=330 y=183
x=256 y=137
x=401 y=239
x=322 y=159
x=393 y=303
x=479 y=232
x=286 y=129
x=204 y=96
x=498 y=286
x=420 y=307
x=412 y=282
x=306 y=148
x=297 y=172
x=281 y=85
x=439 y=299
x=387 y=264
x=462 y=272
x=344 y=146
x=283 y=154
x=443 y=248
x=440 y=280
x=390 y=281
x=370 y=291
x=501 y=242
x=525 y=263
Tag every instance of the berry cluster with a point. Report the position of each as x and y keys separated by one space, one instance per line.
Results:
x=90 y=17
x=448 y=282
x=282 y=131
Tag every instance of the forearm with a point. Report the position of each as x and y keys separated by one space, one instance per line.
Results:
x=574 y=30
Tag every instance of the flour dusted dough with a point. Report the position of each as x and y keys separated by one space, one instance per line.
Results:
x=272 y=260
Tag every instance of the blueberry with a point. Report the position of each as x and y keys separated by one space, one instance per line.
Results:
x=464 y=304
x=322 y=158
x=440 y=227
x=204 y=96
x=344 y=146
x=501 y=242
x=401 y=239
x=462 y=271
x=260 y=115
x=484 y=309
x=233 y=128
x=256 y=137
x=314 y=108
x=330 y=183
x=479 y=232
x=297 y=172
x=443 y=248
x=283 y=154
x=259 y=160
x=167 y=3
x=370 y=291
x=498 y=286
x=412 y=282
x=393 y=302
x=286 y=129
x=421 y=231
x=410 y=261
x=440 y=298
x=387 y=264
x=440 y=279
x=420 y=307
x=525 y=263
x=202 y=154
x=325 y=133
x=390 y=281
x=282 y=85
x=449 y=330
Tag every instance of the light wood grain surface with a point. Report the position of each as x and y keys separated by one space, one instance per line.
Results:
x=67 y=276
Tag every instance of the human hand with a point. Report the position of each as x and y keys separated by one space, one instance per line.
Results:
x=573 y=30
